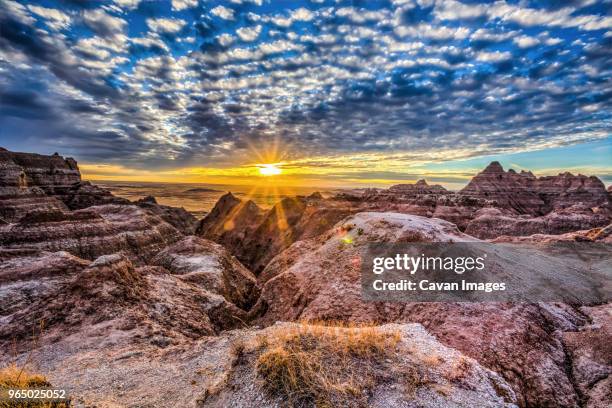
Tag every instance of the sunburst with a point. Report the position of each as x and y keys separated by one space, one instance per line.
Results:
x=269 y=169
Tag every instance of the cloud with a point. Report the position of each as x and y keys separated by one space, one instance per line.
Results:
x=395 y=82
x=155 y=45
x=433 y=32
x=360 y=15
x=495 y=56
x=225 y=39
x=455 y=10
x=286 y=20
x=302 y=14
x=223 y=12
x=127 y=4
x=525 y=16
x=55 y=19
x=17 y=12
x=103 y=24
x=525 y=41
x=178 y=5
x=249 y=34
x=165 y=25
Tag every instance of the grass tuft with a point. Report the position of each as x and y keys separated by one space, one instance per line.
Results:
x=13 y=376
x=16 y=377
x=316 y=364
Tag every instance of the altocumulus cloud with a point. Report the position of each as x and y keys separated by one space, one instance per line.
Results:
x=169 y=84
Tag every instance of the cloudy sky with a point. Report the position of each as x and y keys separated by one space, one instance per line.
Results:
x=335 y=92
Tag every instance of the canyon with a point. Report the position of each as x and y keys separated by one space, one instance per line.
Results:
x=127 y=303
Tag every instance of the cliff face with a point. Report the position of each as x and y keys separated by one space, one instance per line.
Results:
x=51 y=173
x=31 y=182
x=74 y=255
x=527 y=194
x=92 y=232
x=320 y=279
x=420 y=187
x=34 y=182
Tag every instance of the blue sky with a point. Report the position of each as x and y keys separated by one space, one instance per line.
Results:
x=344 y=91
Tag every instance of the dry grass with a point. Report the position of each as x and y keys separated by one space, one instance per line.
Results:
x=15 y=377
x=459 y=370
x=317 y=364
x=18 y=377
x=433 y=360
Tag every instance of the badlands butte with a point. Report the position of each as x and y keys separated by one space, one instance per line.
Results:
x=136 y=304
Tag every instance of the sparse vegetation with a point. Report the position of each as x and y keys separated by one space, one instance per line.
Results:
x=17 y=377
x=20 y=377
x=433 y=360
x=459 y=369
x=12 y=377
x=323 y=366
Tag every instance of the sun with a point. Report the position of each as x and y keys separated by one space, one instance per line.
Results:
x=268 y=170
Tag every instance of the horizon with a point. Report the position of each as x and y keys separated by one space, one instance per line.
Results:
x=600 y=151
x=313 y=93
x=508 y=163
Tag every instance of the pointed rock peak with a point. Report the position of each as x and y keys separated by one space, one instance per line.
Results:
x=494 y=167
x=290 y=202
x=251 y=206
x=228 y=197
x=316 y=196
x=421 y=182
x=227 y=201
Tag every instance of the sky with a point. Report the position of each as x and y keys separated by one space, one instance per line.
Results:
x=330 y=92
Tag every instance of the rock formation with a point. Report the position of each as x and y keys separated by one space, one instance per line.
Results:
x=92 y=232
x=179 y=218
x=492 y=222
x=208 y=265
x=51 y=173
x=397 y=380
x=230 y=222
x=494 y=203
x=254 y=236
x=600 y=235
x=526 y=194
x=15 y=202
x=52 y=295
x=420 y=187
x=37 y=182
x=303 y=282
x=119 y=302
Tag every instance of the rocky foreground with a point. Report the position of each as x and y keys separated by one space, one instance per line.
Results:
x=141 y=305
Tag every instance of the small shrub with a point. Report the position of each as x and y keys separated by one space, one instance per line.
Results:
x=314 y=364
x=17 y=377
